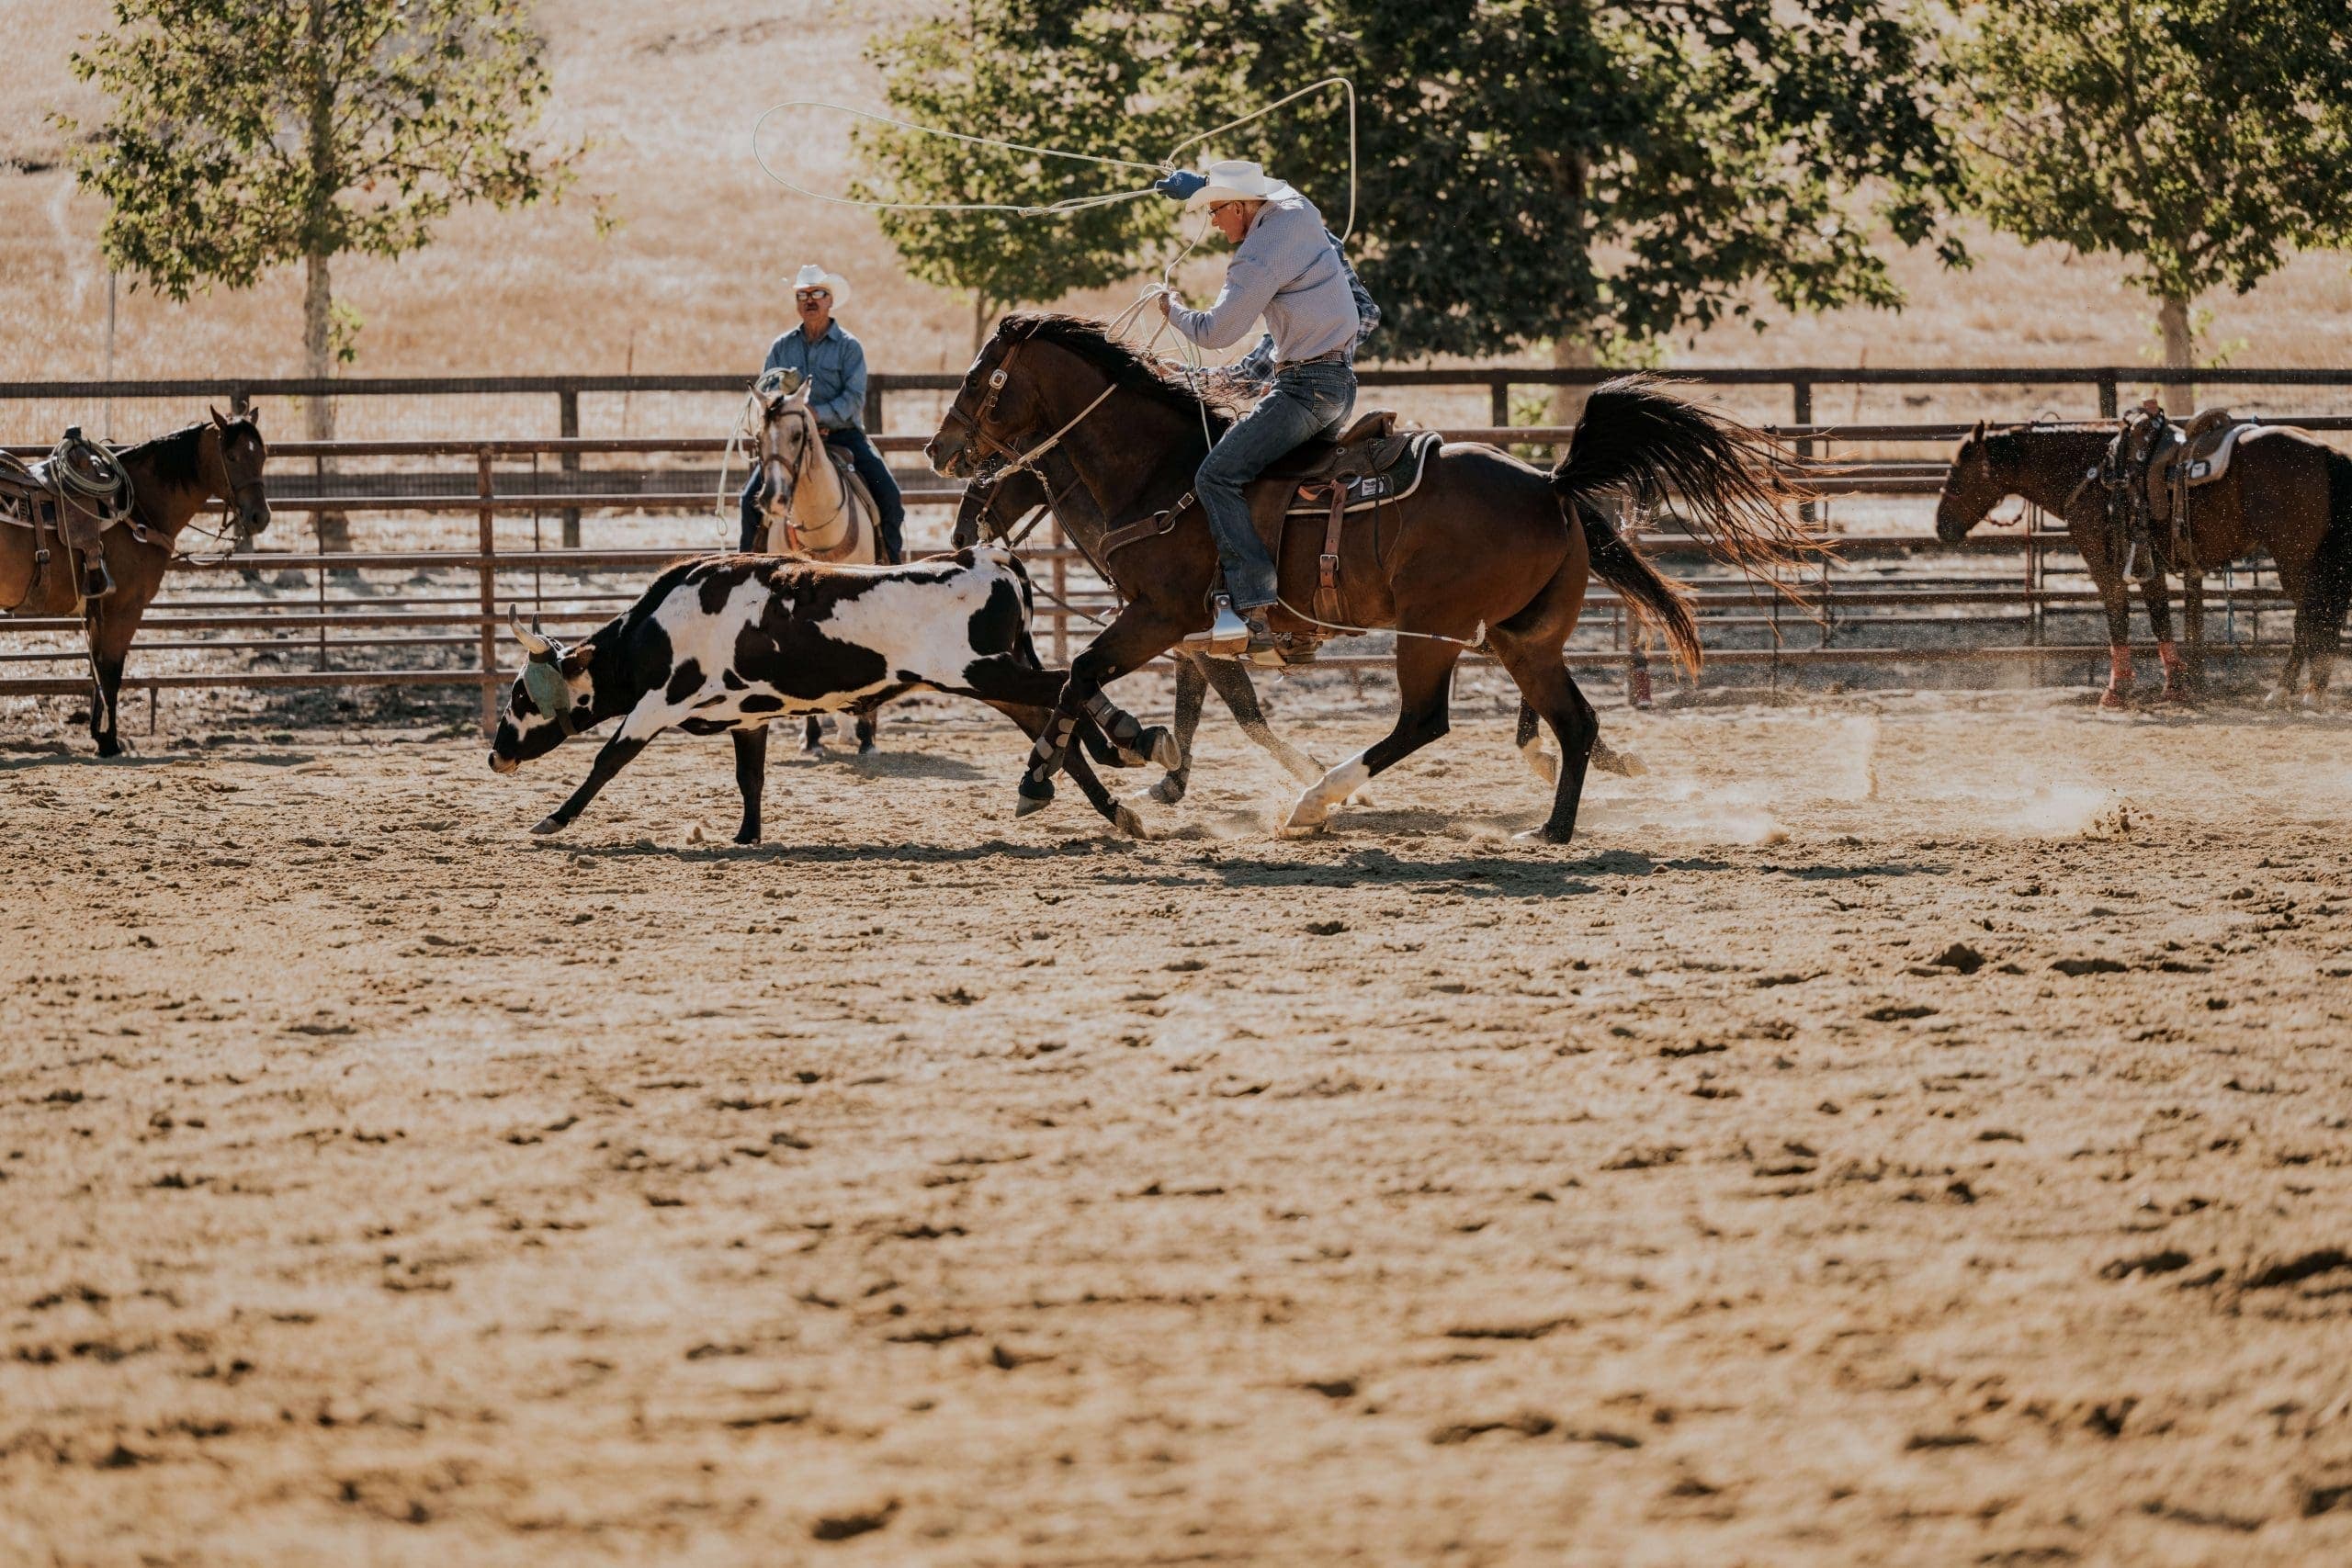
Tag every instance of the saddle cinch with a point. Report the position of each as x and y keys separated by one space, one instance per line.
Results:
x=1371 y=464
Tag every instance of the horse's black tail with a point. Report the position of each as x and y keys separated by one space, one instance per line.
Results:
x=1640 y=439
x=1654 y=599
x=2328 y=594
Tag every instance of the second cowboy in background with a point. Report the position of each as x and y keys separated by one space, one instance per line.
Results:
x=833 y=365
x=1287 y=268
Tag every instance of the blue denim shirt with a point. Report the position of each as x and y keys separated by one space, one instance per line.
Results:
x=834 y=366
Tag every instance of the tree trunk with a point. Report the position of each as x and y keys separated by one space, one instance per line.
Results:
x=979 y=322
x=1567 y=402
x=318 y=414
x=318 y=289
x=2180 y=345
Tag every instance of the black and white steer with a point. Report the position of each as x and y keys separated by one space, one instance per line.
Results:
x=732 y=643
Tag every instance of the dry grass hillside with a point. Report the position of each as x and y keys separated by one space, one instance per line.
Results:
x=668 y=93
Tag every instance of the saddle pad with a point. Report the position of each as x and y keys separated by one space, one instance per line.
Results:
x=1367 y=490
x=2205 y=469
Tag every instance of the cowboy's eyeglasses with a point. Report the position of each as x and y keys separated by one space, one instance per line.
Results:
x=806 y=294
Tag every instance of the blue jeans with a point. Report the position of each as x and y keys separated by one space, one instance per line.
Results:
x=870 y=467
x=1307 y=400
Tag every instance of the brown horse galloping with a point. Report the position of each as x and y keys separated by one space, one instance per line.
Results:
x=1488 y=552
x=2284 y=491
x=172 y=478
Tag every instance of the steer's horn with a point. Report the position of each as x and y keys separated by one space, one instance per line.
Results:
x=534 y=643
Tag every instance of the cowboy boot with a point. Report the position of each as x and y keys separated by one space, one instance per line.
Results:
x=1261 y=649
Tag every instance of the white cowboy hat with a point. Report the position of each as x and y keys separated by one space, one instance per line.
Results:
x=1237 y=179
x=815 y=277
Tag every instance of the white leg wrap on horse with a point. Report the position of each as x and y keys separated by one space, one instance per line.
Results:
x=1315 y=805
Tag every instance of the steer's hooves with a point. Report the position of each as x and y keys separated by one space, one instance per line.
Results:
x=547 y=825
x=748 y=836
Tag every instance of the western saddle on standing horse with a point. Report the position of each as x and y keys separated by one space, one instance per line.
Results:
x=69 y=499
x=2148 y=472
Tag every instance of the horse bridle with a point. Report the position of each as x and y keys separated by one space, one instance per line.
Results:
x=975 y=427
x=816 y=438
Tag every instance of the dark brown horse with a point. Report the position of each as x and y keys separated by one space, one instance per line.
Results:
x=994 y=508
x=2284 y=491
x=1489 y=552
x=172 y=478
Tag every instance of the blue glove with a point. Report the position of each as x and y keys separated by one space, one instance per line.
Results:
x=1180 y=185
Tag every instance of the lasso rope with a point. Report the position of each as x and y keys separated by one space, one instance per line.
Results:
x=1068 y=204
x=1189 y=358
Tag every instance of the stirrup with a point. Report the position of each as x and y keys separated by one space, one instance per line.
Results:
x=96 y=582
x=1226 y=636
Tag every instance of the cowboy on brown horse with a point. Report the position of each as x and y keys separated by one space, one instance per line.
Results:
x=1287 y=268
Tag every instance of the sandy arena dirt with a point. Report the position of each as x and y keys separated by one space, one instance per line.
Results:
x=381 y=1184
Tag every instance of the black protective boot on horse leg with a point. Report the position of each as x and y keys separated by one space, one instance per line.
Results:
x=1127 y=644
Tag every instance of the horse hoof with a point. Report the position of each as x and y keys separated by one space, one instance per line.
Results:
x=1168 y=791
x=1163 y=749
x=1026 y=803
x=547 y=825
x=2114 y=700
x=1305 y=821
x=747 y=837
x=1128 y=823
x=1543 y=835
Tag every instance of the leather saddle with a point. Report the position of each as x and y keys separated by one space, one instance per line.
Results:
x=72 y=497
x=2198 y=454
x=1367 y=458
x=1373 y=462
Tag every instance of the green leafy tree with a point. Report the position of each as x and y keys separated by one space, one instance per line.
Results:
x=242 y=137
x=1015 y=73
x=1590 y=176
x=2203 y=141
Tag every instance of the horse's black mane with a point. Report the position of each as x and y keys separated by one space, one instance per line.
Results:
x=1150 y=377
x=174 y=459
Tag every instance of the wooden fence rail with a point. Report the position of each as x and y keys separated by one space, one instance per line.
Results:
x=1995 y=579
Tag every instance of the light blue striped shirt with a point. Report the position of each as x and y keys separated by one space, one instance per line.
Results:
x=1288 y=271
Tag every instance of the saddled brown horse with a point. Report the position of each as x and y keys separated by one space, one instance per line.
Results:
x=2284 y=491
x=1488 y=552
x=993 y=509
x=172 y=478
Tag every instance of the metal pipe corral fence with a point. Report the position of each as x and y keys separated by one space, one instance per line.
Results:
x=409 y=498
